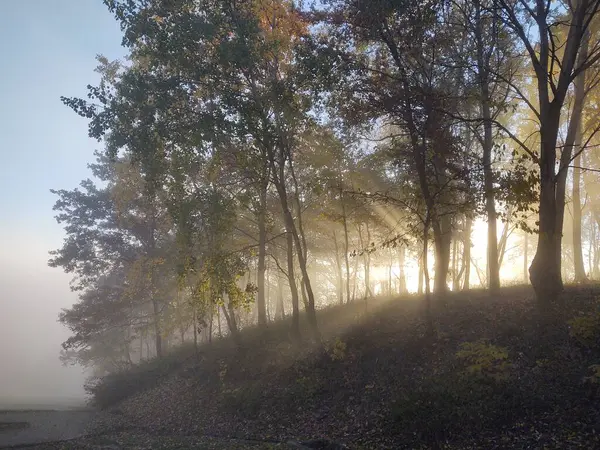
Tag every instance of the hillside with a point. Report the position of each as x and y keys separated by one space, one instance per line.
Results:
x=380 y=382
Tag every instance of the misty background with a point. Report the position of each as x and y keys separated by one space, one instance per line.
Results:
x=48 y=50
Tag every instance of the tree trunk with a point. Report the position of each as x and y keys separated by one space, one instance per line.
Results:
x=367 y=262
x=229 y=314
x=304 y=294
x=579 y=267
x=488 y=145
x=572 y=143
x=525 y=256
x=219 y=324
x=441 y=237
x=346 y=245
x=591 y=249
x=262 y=252
x=467 y=253
x=210 y=327
x=428 y=312
x=402 y=274
x=302 y=248
x=340 y=276
x=421 y=275
x=195 y=318
x=544 y=272
x=279 y=306
x=157 y=329
x=580 y=276
x=354 y=273
x=293 y=287
x=454 y=265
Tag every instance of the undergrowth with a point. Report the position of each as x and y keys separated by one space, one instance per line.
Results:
x=499 y=374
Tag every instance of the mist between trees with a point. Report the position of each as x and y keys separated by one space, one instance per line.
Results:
x=266 y=157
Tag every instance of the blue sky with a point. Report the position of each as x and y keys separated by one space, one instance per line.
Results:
x=48 y=49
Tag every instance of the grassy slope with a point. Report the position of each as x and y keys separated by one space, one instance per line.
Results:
x=392 y=387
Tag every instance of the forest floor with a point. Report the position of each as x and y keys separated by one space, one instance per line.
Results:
x=499 y=373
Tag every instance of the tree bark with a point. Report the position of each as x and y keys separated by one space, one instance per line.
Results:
x=302 y=248
x=340 y=276
x=367 y=260
x=544 y=272
x=467 y=254
x=572 y=143
x=402 y=273
x=421 y=274
x=428 y=311
x=293 y=287
x=454 y=265
x=442 y=241
x=262 y=253
x=231 y=323
x=525 y=255
x=580 y=276
x=346 y=245
x=279 y=306
x=488 y=145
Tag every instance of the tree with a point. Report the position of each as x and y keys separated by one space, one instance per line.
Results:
x=556 y=64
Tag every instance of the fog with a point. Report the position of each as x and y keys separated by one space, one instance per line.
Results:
x=31 y=374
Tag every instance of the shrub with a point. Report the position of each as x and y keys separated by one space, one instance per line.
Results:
x=484 y=360
x=585 y=330
x=594 y=378
x=308 y=386
x=337 y=350
x=111 y=389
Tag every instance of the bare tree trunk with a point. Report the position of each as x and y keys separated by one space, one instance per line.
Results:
x=525 y=256
x=219 y=324
x=293 y=287
x=367 y=262
x=544 y=273
x=210 y=327
x=195 y=318
x=591 y=248
x=572 y=143
x=279 y=306
x=141 y=348
x=157 y=329
x=390 y=279
x=421 y=275
x=346 y=245
x=483 y=69
x=441 y=238
x=506 y=230
x=304 y=294
x=229 y=314
x=268 y=293
x=580 y=276
x=340 y=276
x=302 y=248
x=428 y=312
x=355 y=273
x=467 y=253
x=455 y=281
x=262 y=252
x=402 y=274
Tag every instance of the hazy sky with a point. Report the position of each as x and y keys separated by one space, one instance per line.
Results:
x=48 y=49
